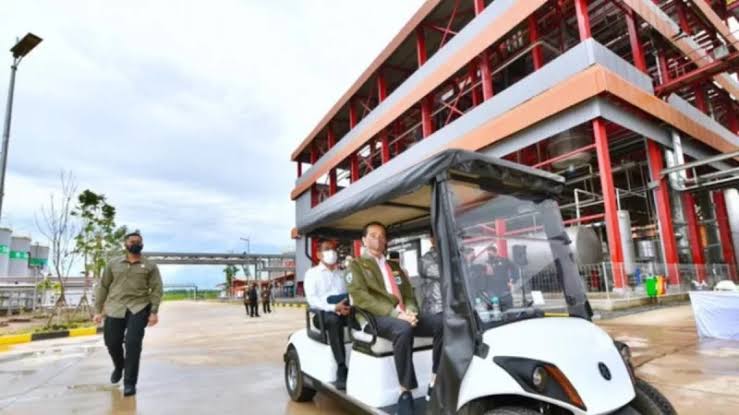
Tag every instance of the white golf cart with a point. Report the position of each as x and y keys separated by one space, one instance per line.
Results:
x=526 y=349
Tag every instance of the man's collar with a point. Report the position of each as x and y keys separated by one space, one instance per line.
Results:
x=324 y=267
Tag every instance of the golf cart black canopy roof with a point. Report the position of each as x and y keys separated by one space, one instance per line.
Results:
x=402 y=201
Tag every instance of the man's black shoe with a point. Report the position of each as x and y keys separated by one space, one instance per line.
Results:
x=129 y=390
x=116 y=376
x=341 y=373
x=405 y=404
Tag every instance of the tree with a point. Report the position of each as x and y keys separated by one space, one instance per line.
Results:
x=230 y=272
x=98 y=239
x=59 y=227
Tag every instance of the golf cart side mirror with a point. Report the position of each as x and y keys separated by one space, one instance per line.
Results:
x=519 y=255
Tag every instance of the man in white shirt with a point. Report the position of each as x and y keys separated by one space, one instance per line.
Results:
x=322 y=282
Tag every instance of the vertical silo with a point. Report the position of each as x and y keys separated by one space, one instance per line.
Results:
x=39 y=263
x=4 y=250
x=20 y=246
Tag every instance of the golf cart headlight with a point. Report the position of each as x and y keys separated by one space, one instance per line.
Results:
x=539 y=378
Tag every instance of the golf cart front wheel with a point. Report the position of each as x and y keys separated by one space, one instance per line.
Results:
x=650 y=401
x=512 y=410
x=294 y=379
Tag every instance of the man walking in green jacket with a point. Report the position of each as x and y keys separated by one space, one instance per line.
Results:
x=382 y=288
x=128 y=296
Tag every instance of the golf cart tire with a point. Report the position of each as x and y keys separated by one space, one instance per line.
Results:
x=650 y=401
x=512 y=410
x=298 y=391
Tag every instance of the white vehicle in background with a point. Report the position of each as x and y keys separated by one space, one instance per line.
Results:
x=535 y=353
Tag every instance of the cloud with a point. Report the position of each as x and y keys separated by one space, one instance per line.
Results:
x=183 y=114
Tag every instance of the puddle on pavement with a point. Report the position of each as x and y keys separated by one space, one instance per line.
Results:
x=55 y=353
x=94 y=387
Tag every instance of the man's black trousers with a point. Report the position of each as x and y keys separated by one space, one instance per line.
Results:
x=131 y=328
x=334 y=324
x=401 y=334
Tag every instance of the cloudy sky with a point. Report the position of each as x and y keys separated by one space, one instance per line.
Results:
x=184 y=114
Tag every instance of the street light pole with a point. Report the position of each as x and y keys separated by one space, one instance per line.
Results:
x=21 y=49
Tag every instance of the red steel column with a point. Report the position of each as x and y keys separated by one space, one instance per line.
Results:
x=694 y=236
x=724 y=230
x=656 y=164
x=485 y=72
x=636 y=48
x=354 y=165
x=427 y=126
x=332 y=185
x=472 y=75
x=313 y=159
x=664 y=211
x=609 y=201
x=700 y=98
x=732 y=122
x=384 y=142
x=300 y=168
x=500 y=230
x=583 y=19
x=536 y=53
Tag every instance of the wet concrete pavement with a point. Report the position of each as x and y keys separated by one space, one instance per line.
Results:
x=209 y=358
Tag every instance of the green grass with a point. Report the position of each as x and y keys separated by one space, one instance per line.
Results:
x=175 y=295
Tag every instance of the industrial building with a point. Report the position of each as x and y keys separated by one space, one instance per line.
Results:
x=634 y=102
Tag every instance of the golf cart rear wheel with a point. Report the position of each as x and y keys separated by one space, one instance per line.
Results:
x=294 y=379
x=512 y=410
x=650 y=401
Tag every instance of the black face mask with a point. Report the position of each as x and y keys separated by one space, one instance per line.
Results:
x=135 y=248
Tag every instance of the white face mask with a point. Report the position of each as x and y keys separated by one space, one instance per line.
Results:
x=329 y=257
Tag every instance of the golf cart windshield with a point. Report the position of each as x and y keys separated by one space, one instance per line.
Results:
x=515 y=254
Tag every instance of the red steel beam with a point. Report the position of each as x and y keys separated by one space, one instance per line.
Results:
x=609 y=200
x=698 y=75
x=583 y=19
x=724 y=230
x=564 y=156
x=486 y=73
x=449 y=24
x=664 y=211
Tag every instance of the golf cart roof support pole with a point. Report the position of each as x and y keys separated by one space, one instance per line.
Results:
x=427 y=124
x=664 y=210
x=609 y=201
x=536 y=53
x=486 y=72
x=724 y=231
x=502 y=245
x=583 y=19
x=696 y=248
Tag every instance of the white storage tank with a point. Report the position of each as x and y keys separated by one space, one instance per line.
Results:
x=20 y=246
x=4 y=250
x=39 y=263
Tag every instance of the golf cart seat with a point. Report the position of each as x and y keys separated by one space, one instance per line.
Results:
x=318 y=332
x=367 y=341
